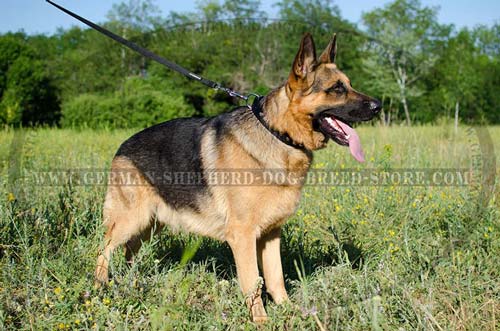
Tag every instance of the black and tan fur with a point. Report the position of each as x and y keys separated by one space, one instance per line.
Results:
x=249 y=218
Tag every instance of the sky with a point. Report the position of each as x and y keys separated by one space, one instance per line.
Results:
x=37 y=16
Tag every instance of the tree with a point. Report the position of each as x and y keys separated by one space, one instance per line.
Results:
x=312 y=12
x=209 y=10
x=406 y=36
x=88 y=62
x=458 y=77
x=381 y=83
x=487 y=66
x=322 y=18
x=142 y=15
x=465 y=78
x=243 y=9
x=11 y=47
x=27 y=93
x=134 y=19
x=488 y=40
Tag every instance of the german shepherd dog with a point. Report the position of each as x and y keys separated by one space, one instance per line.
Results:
x=316 y=103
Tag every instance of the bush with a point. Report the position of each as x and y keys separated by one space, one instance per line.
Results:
x=139 y=104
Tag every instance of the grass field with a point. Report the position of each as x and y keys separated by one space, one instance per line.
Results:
x=386 y=257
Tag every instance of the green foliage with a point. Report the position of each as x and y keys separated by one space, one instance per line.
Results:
x=407 y=35
x=27 y=93
x=11 y=46
x=421 y=69
x=465 y=76
x=88 y=63
x=138 y=105
x=390 y=257
x=137 y=15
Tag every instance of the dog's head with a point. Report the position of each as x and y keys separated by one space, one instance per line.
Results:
x=322 y=94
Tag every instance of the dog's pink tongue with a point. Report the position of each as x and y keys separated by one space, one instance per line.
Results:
x=354 y=142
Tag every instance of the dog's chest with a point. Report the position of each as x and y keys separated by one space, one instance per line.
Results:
x=280 y=196
x=274 y=206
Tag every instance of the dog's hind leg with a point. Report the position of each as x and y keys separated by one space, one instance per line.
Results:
x=124 y=225
x=127 y=212
x=112 y=220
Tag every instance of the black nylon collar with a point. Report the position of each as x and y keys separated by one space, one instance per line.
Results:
x=283 y=137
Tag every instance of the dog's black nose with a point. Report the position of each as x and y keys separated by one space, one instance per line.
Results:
x=374 y=105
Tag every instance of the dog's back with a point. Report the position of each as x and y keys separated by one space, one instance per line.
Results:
x=167 y=150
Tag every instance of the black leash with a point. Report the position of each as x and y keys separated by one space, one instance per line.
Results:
x=256 y=105
x=150 y=55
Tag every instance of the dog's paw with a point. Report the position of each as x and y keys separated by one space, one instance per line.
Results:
x=260 y=319
x=258 y=312
x=281 y=299
x=101 y=273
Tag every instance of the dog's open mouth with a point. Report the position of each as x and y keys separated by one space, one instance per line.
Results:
x=343 y=134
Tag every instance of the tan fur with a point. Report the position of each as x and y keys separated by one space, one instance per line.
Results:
x=249 y=218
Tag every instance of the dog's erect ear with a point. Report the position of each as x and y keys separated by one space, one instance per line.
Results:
x=305 y=60
x=328 y=55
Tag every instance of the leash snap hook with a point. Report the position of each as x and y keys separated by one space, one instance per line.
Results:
x=250 y=99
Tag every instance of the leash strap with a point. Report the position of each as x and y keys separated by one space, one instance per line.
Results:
x=256 y=105
x=283 y=137
x=150 y=55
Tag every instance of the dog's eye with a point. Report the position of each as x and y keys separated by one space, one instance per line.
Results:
x=338 y=88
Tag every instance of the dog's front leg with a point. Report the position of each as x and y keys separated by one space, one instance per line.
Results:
x=242 y=240
x=268 y=247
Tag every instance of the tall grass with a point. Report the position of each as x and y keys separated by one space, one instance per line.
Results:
x=390 y=257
